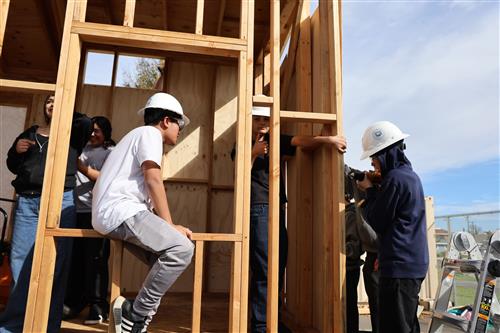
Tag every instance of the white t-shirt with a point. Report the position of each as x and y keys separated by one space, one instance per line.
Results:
x=93 y=157
x=120 y=192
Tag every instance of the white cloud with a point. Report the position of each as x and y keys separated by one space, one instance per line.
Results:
x=441 y=85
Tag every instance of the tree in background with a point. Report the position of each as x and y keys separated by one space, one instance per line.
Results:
x=474 y=229
x=146 y=74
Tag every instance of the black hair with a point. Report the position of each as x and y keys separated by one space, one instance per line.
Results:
x=105 y=126
x=152 y=116
x=47 y=119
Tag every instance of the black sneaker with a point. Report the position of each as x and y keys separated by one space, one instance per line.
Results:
x=126 y=320
x=96 y=315
x=71 y=312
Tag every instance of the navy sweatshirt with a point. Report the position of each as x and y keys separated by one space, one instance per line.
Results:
x=396 y=211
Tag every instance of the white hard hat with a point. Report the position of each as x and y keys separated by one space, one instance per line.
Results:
x=263 y=111
x=380 y=135
x=165 y=101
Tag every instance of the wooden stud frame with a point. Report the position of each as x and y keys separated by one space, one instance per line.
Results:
x=304 y=168
x=274 y=173
x=330 y=14
x=76 y=31
x=26 y=86
x=4 y=10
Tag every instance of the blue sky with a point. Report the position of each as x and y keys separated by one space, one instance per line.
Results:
x=432 y=68
x=100 y=68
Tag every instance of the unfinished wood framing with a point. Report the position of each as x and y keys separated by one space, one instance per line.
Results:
x=213 y=77
x=334 y=318
x=128 y=20
x=4 y=10
x=199 y=17
x=198 y=279
x=304 y=168
x=430 y=283
x=274 y=173
x=26 y=86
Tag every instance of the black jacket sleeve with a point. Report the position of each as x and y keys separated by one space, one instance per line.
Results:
x=381 y=204
x=14 y=159
x=81 y=130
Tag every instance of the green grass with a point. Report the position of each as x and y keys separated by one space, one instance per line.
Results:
x=465 y=295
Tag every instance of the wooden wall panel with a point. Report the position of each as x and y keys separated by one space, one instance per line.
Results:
x=219 y=253
x=191 y=84
x=224 y=125
x=224 y=136
x=126 y=103
x=94 y=100
x=188 y=204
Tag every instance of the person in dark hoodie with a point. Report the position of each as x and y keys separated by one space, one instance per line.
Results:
x=395 y=209
x=26 y=159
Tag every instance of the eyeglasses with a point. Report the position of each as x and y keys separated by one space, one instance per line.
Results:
x=179 y=122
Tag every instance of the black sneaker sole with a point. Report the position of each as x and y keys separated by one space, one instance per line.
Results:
x=117 y=313
x=94 y=321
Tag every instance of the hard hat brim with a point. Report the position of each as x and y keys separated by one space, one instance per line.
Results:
x=262 y=111
x=376 y=149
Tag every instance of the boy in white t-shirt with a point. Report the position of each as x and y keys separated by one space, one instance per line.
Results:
x=128 y=188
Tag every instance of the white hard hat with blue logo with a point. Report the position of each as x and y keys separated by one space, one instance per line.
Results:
x=380 y=135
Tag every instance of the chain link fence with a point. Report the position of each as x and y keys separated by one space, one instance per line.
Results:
x=481 y=226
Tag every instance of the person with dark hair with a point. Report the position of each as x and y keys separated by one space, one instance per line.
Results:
x=88 y=280
x=395 y=209
x=26 y=159
x=130 y=203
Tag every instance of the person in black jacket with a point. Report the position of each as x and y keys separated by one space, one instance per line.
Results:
x=396 y=211
x=26 y=159
x=259 y=208
x=359 y=238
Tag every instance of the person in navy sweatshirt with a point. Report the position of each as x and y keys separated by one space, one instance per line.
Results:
x=395 y=208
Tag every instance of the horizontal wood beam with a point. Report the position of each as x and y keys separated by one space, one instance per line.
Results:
x=222 y=187
x=217 y=237
x=194 y=181
x=90 y=233
x=158 y=39
x=186 y=181
x=311 y=117
x=262 y=100
x=77 y=233
x=26 y=86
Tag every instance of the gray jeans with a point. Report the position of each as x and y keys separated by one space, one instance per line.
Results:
x=158 y=244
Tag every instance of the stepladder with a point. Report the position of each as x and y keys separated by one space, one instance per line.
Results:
x=464 y=256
